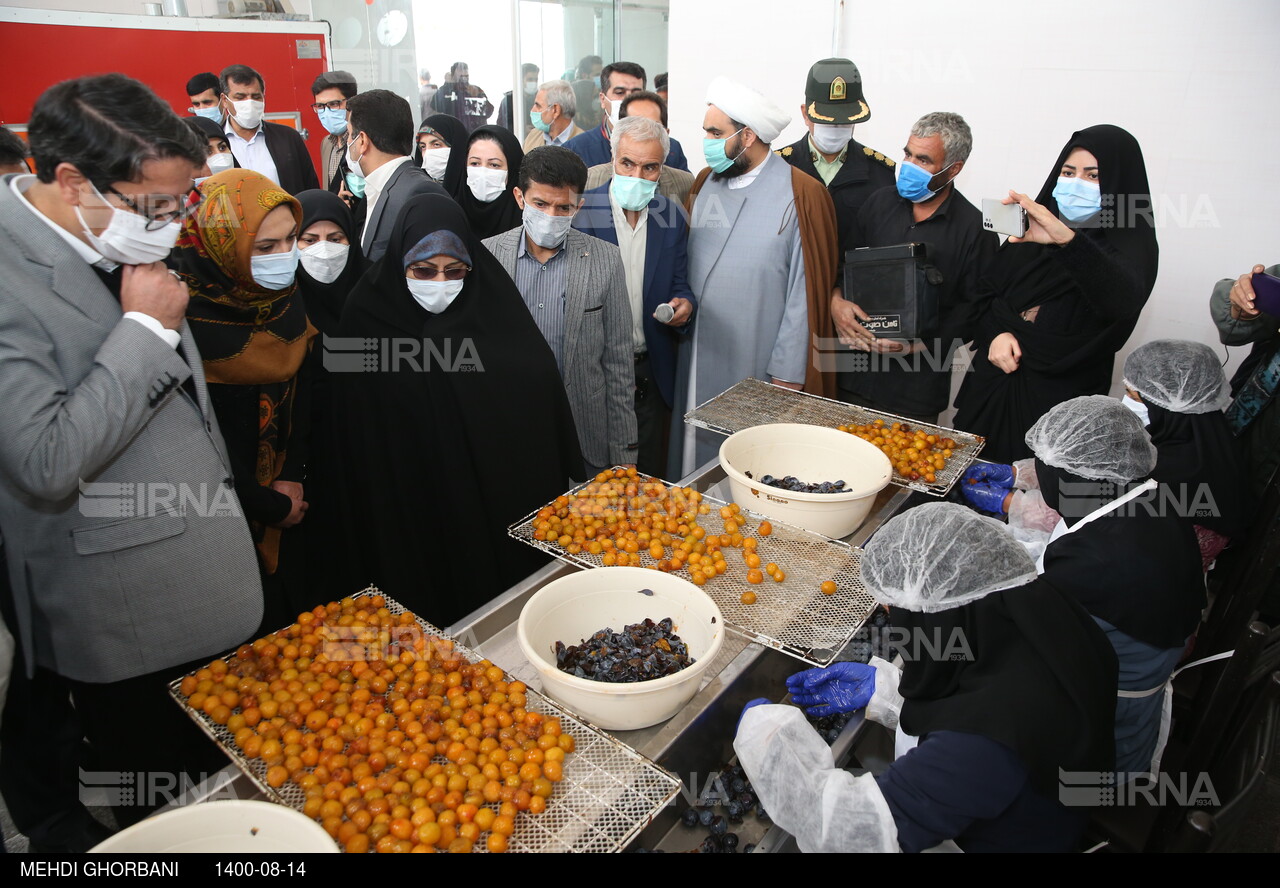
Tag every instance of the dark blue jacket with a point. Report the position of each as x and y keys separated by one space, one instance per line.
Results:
x=666 y=272
x=594 y=149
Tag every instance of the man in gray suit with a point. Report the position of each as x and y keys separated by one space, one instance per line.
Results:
x=379 y=141
x=128 y=556
x=576 y=290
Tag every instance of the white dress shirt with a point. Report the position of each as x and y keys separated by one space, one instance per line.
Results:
x=632 y=243
x=376 y=182
x=747 y=178
x=253 y=154
x=19 y=184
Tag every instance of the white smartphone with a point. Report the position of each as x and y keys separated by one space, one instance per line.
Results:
x=1001 y=218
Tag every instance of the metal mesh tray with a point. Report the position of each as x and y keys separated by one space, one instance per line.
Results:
x=792 y=616
x=752 y=402
x=609 y=793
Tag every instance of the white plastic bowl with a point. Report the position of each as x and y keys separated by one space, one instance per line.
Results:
x=231 y=826
x=576 y=607
x=813 y=454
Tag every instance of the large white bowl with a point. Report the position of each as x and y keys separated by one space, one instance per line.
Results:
x=813 y=454
x=576 y=607
x=231 y=826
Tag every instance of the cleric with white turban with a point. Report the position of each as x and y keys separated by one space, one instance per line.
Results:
x=746 y=106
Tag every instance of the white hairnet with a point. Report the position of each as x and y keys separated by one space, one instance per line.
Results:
x=1094 y=437
x=1180 y=376
x=942 y=555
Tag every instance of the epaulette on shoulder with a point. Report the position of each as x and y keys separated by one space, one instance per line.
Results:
x=876 y=155
x=784 y=152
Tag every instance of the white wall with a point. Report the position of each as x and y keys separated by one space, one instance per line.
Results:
x=1193 y=82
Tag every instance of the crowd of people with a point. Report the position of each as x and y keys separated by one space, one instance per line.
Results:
x=249 y=387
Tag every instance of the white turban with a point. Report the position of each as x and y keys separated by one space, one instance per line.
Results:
x=745 y=105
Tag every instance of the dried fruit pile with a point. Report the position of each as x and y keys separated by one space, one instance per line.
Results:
x=914 y=454
x=398 y=742
x=640 y=652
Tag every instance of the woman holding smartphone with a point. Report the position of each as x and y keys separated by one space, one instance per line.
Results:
x=1066 y=295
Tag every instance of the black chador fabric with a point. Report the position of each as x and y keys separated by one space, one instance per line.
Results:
x=1041 y=680
x=1071 y=308
x=502 y=213
x=454 y=134
x=1194 y=449
x=324 y=302
x=441 y=451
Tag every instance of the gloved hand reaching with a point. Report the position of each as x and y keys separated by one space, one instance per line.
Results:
x=985 y=496
x=840 y=687
x=997 y=474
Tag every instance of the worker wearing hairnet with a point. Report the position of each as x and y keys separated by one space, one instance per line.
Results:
x=1123 y=549
x=1178 y=390
x=1032 y=695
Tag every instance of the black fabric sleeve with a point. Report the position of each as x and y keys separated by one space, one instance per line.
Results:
x=1106 y=281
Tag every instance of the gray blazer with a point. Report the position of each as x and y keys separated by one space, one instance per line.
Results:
x=599 y=361
x=406 y=182
x=100 y=450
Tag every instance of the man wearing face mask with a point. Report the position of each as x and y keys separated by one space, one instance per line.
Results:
x=913 y=379
x=275 y=150
x=206 y=97
x=576 y=289
x=117 y=587
x=380 y=139
x=330 y=92
x=852 y=172
x=762 y=260
x=618 y=83
x=552 y=113
x=463 y=99
x=508 y=116
x=672 y=183
x=651 y=233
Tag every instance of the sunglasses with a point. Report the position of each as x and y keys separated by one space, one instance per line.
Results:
x=427 y=273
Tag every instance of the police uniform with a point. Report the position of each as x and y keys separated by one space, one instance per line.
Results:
x=833 y=95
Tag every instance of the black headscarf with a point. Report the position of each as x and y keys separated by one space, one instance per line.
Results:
x=1041 y=680
x=502 y=213
x=454 y=134
x=1137 y=567
x=1069 y=349
x=205 y=127
x=325 y=301
x=437 y=463
x=1198 y=448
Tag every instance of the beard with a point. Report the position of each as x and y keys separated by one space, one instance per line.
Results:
x=740 y=164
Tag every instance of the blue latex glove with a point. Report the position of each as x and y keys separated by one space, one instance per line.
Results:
x=840 y=687
x=758 y=701
x=997 y=474
x=985 y=496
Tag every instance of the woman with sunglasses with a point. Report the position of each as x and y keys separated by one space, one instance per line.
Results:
x=453 y=424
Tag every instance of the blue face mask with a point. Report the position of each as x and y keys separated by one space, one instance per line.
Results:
x=214 y=113
x=333 y=119
x=913 y=182
x=535 y=117
x=1077 y=199
x=632 y=193
x=596 y=81
x=714 y=151
x=275 y=271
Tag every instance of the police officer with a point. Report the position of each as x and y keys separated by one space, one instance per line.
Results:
x=833 y=103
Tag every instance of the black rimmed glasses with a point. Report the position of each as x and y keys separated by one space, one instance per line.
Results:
x=335 y=105
x=427 y=273
x=160 y=209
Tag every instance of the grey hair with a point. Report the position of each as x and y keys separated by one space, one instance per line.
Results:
x=641 y=129
x=560 y=92
x=957 y=140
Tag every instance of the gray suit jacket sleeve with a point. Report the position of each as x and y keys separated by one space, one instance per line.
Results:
x=63 y=433
x=620 y=384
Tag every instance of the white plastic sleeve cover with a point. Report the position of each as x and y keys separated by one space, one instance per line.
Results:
x=1030 y=518
x=1024 y=475
x=826 y=808
x=886 y=702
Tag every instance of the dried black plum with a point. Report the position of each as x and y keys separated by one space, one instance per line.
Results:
x=705 y=816
x=719 y=826
x=640 y=652
x=689 y=817
x=729 y=840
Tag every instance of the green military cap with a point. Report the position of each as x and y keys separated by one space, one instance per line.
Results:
x=834 y=94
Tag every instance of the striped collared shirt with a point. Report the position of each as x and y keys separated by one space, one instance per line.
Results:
x=543 y=289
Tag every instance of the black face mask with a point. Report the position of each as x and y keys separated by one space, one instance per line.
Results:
x=1071 y=496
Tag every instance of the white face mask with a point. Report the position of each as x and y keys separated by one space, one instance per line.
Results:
x=1138 y=409
x=434 y=161
x=434 y=296
x=220 y=163
x=486 y=184
x=615 y=108
x=126 y=240
x=275 y=271
x=325 y=260
x=353 y=164
x=248 y=113
x=831 y=139
x=545 y=230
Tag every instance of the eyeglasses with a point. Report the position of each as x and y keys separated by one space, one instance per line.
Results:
x=427 y=273
x=335 y=105
x=160 y=209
